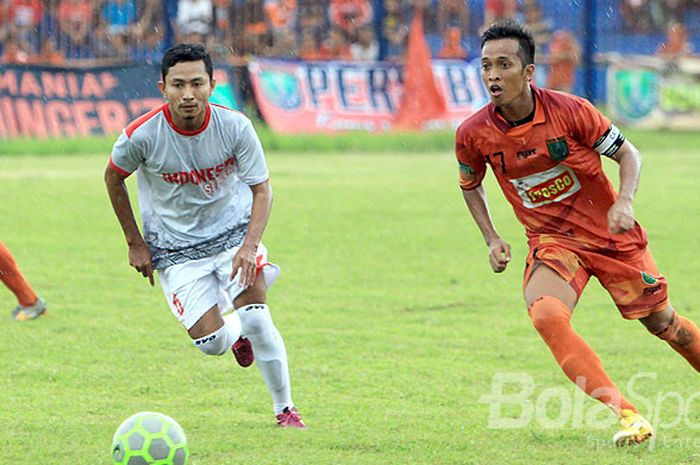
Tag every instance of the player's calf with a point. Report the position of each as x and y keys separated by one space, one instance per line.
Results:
x=680 y=333
x=216 y=343
x=668 y=326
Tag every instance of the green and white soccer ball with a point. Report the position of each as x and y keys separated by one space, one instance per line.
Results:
x=149 y=438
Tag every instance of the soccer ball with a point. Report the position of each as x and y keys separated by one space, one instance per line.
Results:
x=149 y=438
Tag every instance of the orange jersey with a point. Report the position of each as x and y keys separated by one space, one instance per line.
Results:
x=550 y=170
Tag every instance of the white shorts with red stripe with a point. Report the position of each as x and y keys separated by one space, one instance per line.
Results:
x=193 y=287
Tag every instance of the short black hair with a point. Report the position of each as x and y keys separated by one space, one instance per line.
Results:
x=186 y=52
x=513 y=30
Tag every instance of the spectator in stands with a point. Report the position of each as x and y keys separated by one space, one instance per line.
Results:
x=453 y=13
x=250 y=16
x=366 y=48
x=25 y=17
x=430 y=15
x=677 y=44
x=564 y=56
x=150 y=16
x=498 y=10
x=151 y=48
x=108 y=48
x=219 y=46
x=14 y=52
x=48 y=54
x=285 y=46
x=671 y=11
x=5 y=24
x=540 y=28
x=281 y=18
x=349 y=15
x=309 y=48
x=222 y=17
x=312 y=15
x=452 y=44
x=75 y=21
x=336 y=46
x=636 y=15
x=119 y=16
x=395 y=30
x=194 y=20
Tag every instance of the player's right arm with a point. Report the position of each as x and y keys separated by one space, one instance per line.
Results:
x=139 y=253
x=125 y=159
x=471 y=172
x=499 y=250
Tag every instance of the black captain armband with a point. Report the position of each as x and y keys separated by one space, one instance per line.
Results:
x=609 y=143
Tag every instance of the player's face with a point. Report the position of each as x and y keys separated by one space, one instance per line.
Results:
x=503 y=73
x=187 y=88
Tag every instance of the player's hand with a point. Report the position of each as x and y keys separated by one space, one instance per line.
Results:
x=245 y=266
x=140 y=258
x=499 y=255
x=621 y=216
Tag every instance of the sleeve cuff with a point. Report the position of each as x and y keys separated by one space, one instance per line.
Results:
x=118 y=169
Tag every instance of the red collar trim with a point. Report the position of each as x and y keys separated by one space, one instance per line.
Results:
x=168 y=117
x=504 y=126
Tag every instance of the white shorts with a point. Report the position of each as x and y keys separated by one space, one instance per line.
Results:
x=193 y=287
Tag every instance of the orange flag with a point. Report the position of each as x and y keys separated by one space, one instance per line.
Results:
x=421 y=100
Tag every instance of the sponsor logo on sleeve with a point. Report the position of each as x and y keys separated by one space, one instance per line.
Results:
x=552 y=185
x=466 y=169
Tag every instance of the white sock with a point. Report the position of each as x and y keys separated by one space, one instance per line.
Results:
x=221 y=340
x=270 y=353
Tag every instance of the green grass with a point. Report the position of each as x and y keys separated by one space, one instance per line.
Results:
x=394 y=323
x=349 y=142
x=406 y=142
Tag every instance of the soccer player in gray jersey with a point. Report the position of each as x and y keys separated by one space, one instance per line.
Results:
x=205 y=197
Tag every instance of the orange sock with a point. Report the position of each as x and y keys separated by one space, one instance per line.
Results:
x=13 y=279
x=684 y=336
x=551 y=317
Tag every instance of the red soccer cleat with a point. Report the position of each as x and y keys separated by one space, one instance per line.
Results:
x=243 y=351
x=290 y=418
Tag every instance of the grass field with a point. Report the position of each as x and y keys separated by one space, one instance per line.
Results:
x=394 y=323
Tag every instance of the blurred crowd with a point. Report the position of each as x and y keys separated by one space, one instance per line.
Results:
x=115 y=31
x=648 y=16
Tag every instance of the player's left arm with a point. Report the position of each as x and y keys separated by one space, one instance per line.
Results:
x=244 y=260
x=598 y=132
x=252 y=171
x=621 y=215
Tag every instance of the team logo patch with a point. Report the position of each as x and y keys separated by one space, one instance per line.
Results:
x=558 y=148
x=552 y=185
x=648 y=279
x=282 y=89
x=466 y=169
x=636 y=93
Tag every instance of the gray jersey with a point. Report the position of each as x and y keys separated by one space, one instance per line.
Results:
x=193 y=186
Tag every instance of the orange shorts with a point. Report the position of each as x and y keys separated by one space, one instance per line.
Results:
x=632 y=280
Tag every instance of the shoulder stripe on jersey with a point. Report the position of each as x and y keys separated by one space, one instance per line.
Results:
x=119 y=170
x=134 y=125
x=227 y=108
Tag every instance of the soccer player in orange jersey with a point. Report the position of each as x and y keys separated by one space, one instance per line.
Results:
x=545 y=149
x=29 y=305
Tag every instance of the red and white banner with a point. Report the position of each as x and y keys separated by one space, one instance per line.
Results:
x=313 y=97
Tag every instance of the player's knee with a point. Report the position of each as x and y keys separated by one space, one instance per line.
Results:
x=255 y=319
x=667 y=326
x=254 y=295
x=216 y=343
x=547 y=312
